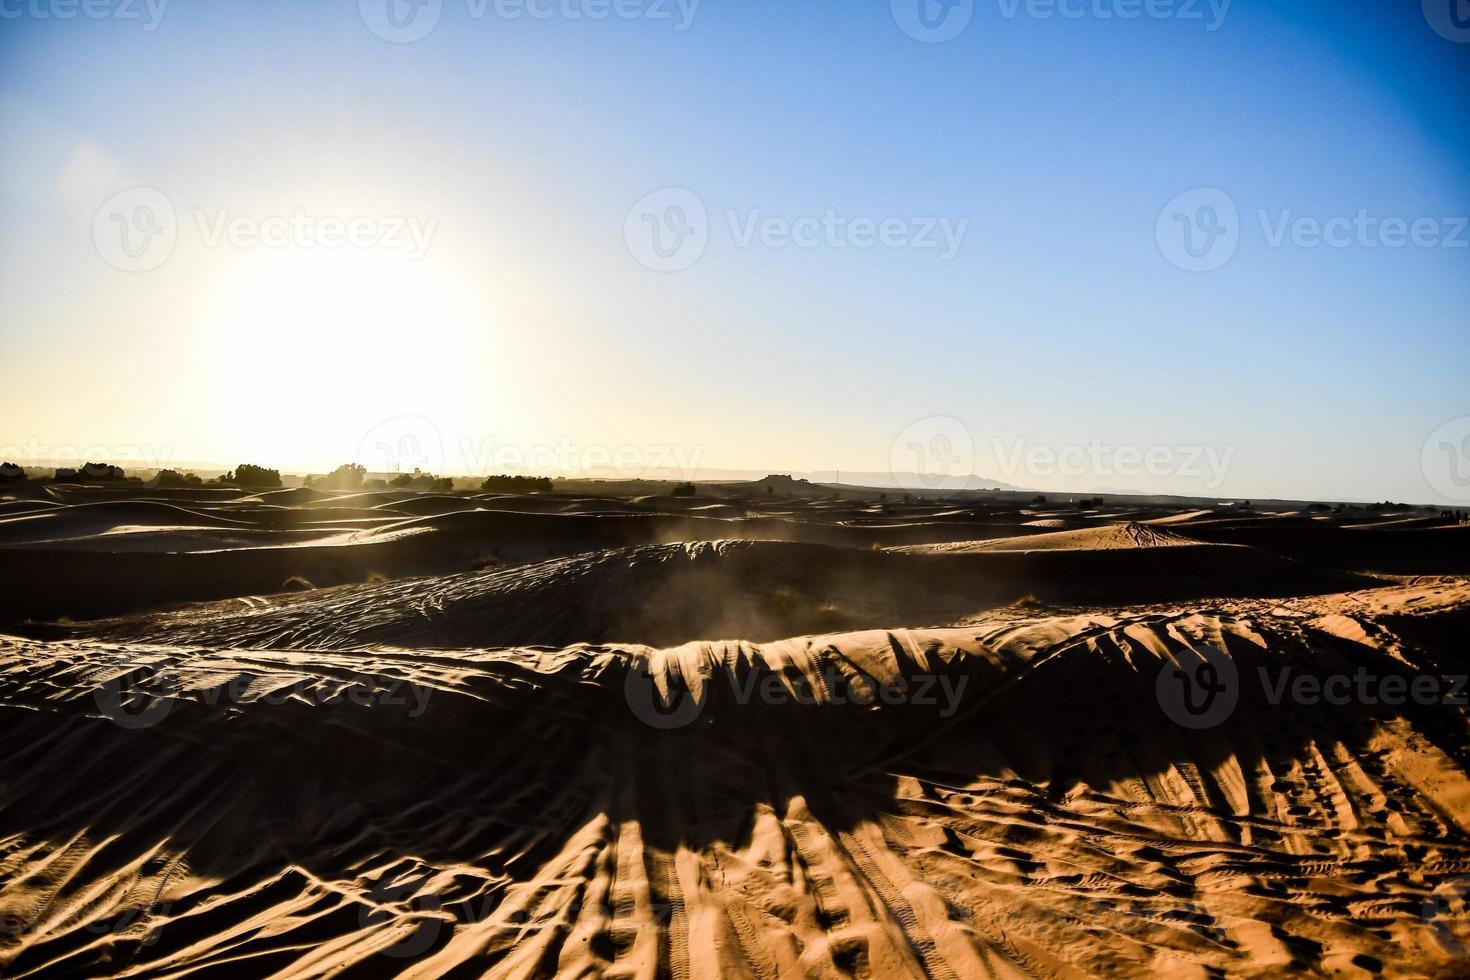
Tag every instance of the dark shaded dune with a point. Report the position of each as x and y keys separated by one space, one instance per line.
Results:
x=40 y=581
x=44 y=583
x=81 y=493
x=543 y=503
x=718 y=510
x=521 y=536
x=425 y=505
x=89 y=520
x=666 y=594
x=1132 y=563
x=187 y=540
x=1399 y=522
x=12 y=508
x=289 y=497
x=1128 y=536
x=651 y=594
x=887 y=532
x=306 y=515
x=1443 y=550
x=631 y=811
x=191 y=555
x=365 y=499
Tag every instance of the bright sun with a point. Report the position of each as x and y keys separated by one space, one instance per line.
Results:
x=313 y=348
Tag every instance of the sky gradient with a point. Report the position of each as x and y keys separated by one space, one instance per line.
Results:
x=496 y=294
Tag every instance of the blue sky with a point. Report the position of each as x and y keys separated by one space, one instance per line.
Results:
x=1061 y=321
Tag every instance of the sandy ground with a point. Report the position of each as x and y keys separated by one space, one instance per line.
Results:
x=648 y=737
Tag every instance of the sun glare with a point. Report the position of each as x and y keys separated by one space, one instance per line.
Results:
x=319 y=346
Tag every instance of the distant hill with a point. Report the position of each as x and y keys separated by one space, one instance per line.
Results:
x=912 y=481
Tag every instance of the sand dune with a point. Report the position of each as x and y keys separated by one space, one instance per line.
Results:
x=683 y=737
x=1107 y=537
x=1440 y=548
x=666 y=594
x=85 y=521
x=1046 y=820
x=137 y=555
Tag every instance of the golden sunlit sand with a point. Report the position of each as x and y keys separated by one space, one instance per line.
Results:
x=313 y=733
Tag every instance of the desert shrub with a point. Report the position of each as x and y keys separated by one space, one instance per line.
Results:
x=100 y=471
x=443 y=484
x=11 y=472
x=401 y=480
x=348 y=476
x=516 y=484
x=685 y=489
x=173 y=478
x=250 y=475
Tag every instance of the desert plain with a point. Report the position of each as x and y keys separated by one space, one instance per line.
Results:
x=765 y=730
